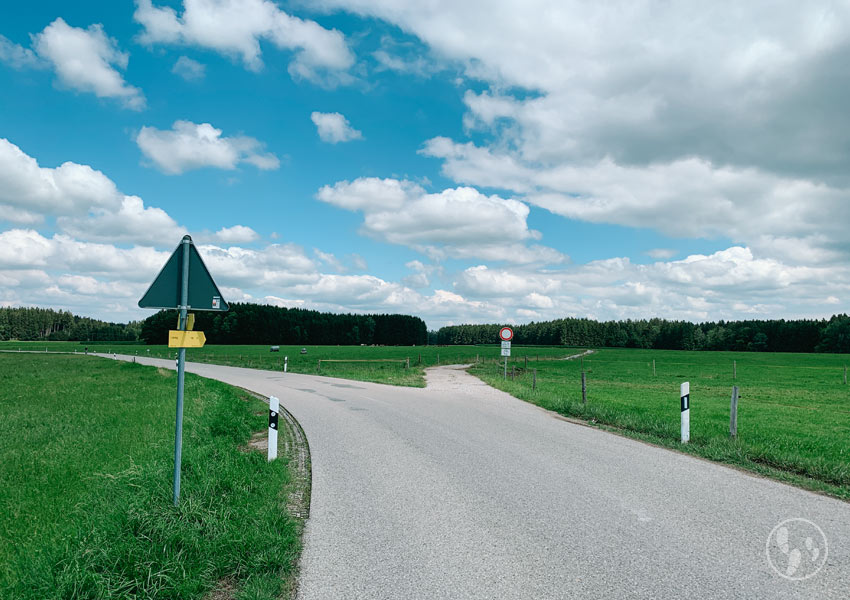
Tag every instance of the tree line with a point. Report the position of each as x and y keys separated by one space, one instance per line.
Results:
x=262 y=324
x=57 y=325
x=802 y=335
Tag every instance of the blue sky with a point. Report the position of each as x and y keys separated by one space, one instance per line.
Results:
x=488 y=162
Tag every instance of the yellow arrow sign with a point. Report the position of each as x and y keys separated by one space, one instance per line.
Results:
x=186 y=339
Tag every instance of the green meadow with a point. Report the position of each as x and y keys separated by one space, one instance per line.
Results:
x=793 y=409
x=86 y=460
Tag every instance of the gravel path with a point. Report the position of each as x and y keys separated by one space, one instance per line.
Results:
x=461 y=491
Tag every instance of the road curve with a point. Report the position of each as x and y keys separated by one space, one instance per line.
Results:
x=462 y=491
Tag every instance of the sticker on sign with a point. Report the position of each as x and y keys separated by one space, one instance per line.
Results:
x=506 y=334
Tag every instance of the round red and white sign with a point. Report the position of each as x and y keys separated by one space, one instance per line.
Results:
x=506 y=334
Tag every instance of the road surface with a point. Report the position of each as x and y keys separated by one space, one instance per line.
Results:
x=462 y=491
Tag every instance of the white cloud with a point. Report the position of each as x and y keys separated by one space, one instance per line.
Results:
x=133 y=222
x=69 y=189
x=85 y=202
x=685 y=198
x=188 y=146
x=188 y=69
x=18 y=57
x=236 y=27
x=662 y=253
x=86 y=60
x=238 y=234
x=334 y=128
x=459 y=222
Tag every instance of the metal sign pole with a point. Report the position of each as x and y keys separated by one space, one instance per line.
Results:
x=181 y=371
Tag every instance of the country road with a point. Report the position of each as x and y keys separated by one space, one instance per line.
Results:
x=461 y=491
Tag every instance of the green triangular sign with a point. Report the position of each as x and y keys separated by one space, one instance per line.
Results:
x=164 y=292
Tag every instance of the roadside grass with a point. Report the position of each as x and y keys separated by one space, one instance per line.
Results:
x=378 y=364
x=793 y=411
x=86 y=461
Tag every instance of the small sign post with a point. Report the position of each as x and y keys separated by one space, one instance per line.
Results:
x=685 y=400
x=506 y=334
x=184 y=282
x=274 y=411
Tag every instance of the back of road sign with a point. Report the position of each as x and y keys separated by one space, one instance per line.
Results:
x=164 y=292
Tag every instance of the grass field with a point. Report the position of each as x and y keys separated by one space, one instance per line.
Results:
x=86 y=451
x=793 y=411
x=379 y=364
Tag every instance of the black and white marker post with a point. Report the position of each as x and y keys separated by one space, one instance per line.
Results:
x=685 y=398
x=274 y=411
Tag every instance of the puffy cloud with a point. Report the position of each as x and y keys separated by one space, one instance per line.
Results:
x=238 y=234
x=236 y=27
x=86 y=60
x=133 y=222
x=686 y=198
x=728 y=284
x=188 y=69
x=66 y=190
x=85 y=202
x=459 y=222
x=188 y=146
x=334 y=128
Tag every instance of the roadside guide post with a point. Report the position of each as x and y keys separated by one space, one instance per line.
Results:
x=685 y=399
x=274 y=411
x=506 y=334
x=183 y=283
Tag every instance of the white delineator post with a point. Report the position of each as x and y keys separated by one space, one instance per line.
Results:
x=285 y=363
x=685 y=397
x=274 y=409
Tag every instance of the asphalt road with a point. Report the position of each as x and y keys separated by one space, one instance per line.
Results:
x=461 y=491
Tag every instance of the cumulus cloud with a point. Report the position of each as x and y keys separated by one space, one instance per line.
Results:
x=236 y=27
x=87 y=60
x=459 y=222
x=84 y=202
x=188 y=69
x=334 y=128
x=188 y=146
x=238 y=234
x=69 y=189
x=650 y=116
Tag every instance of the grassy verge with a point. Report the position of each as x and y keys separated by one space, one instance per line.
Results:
x=793 y=415
x=86 y=451
x=378 y=364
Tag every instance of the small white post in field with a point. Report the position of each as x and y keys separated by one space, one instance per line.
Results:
x=274 y=408
x=685 y=397
x=285 y=363
x=734 y=369
x=653 y=367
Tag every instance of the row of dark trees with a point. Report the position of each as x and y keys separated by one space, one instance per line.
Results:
x=803 y=335
x=263 y=324
x=55 y=325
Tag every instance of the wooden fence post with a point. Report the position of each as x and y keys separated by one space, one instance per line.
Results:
x=733 y=413
x=526 y=361
x=319 y=368
x=584 y=388
x=407 y=364
x=653 y=367
x=734 y=369
x=845 y=374
x=534 y=381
